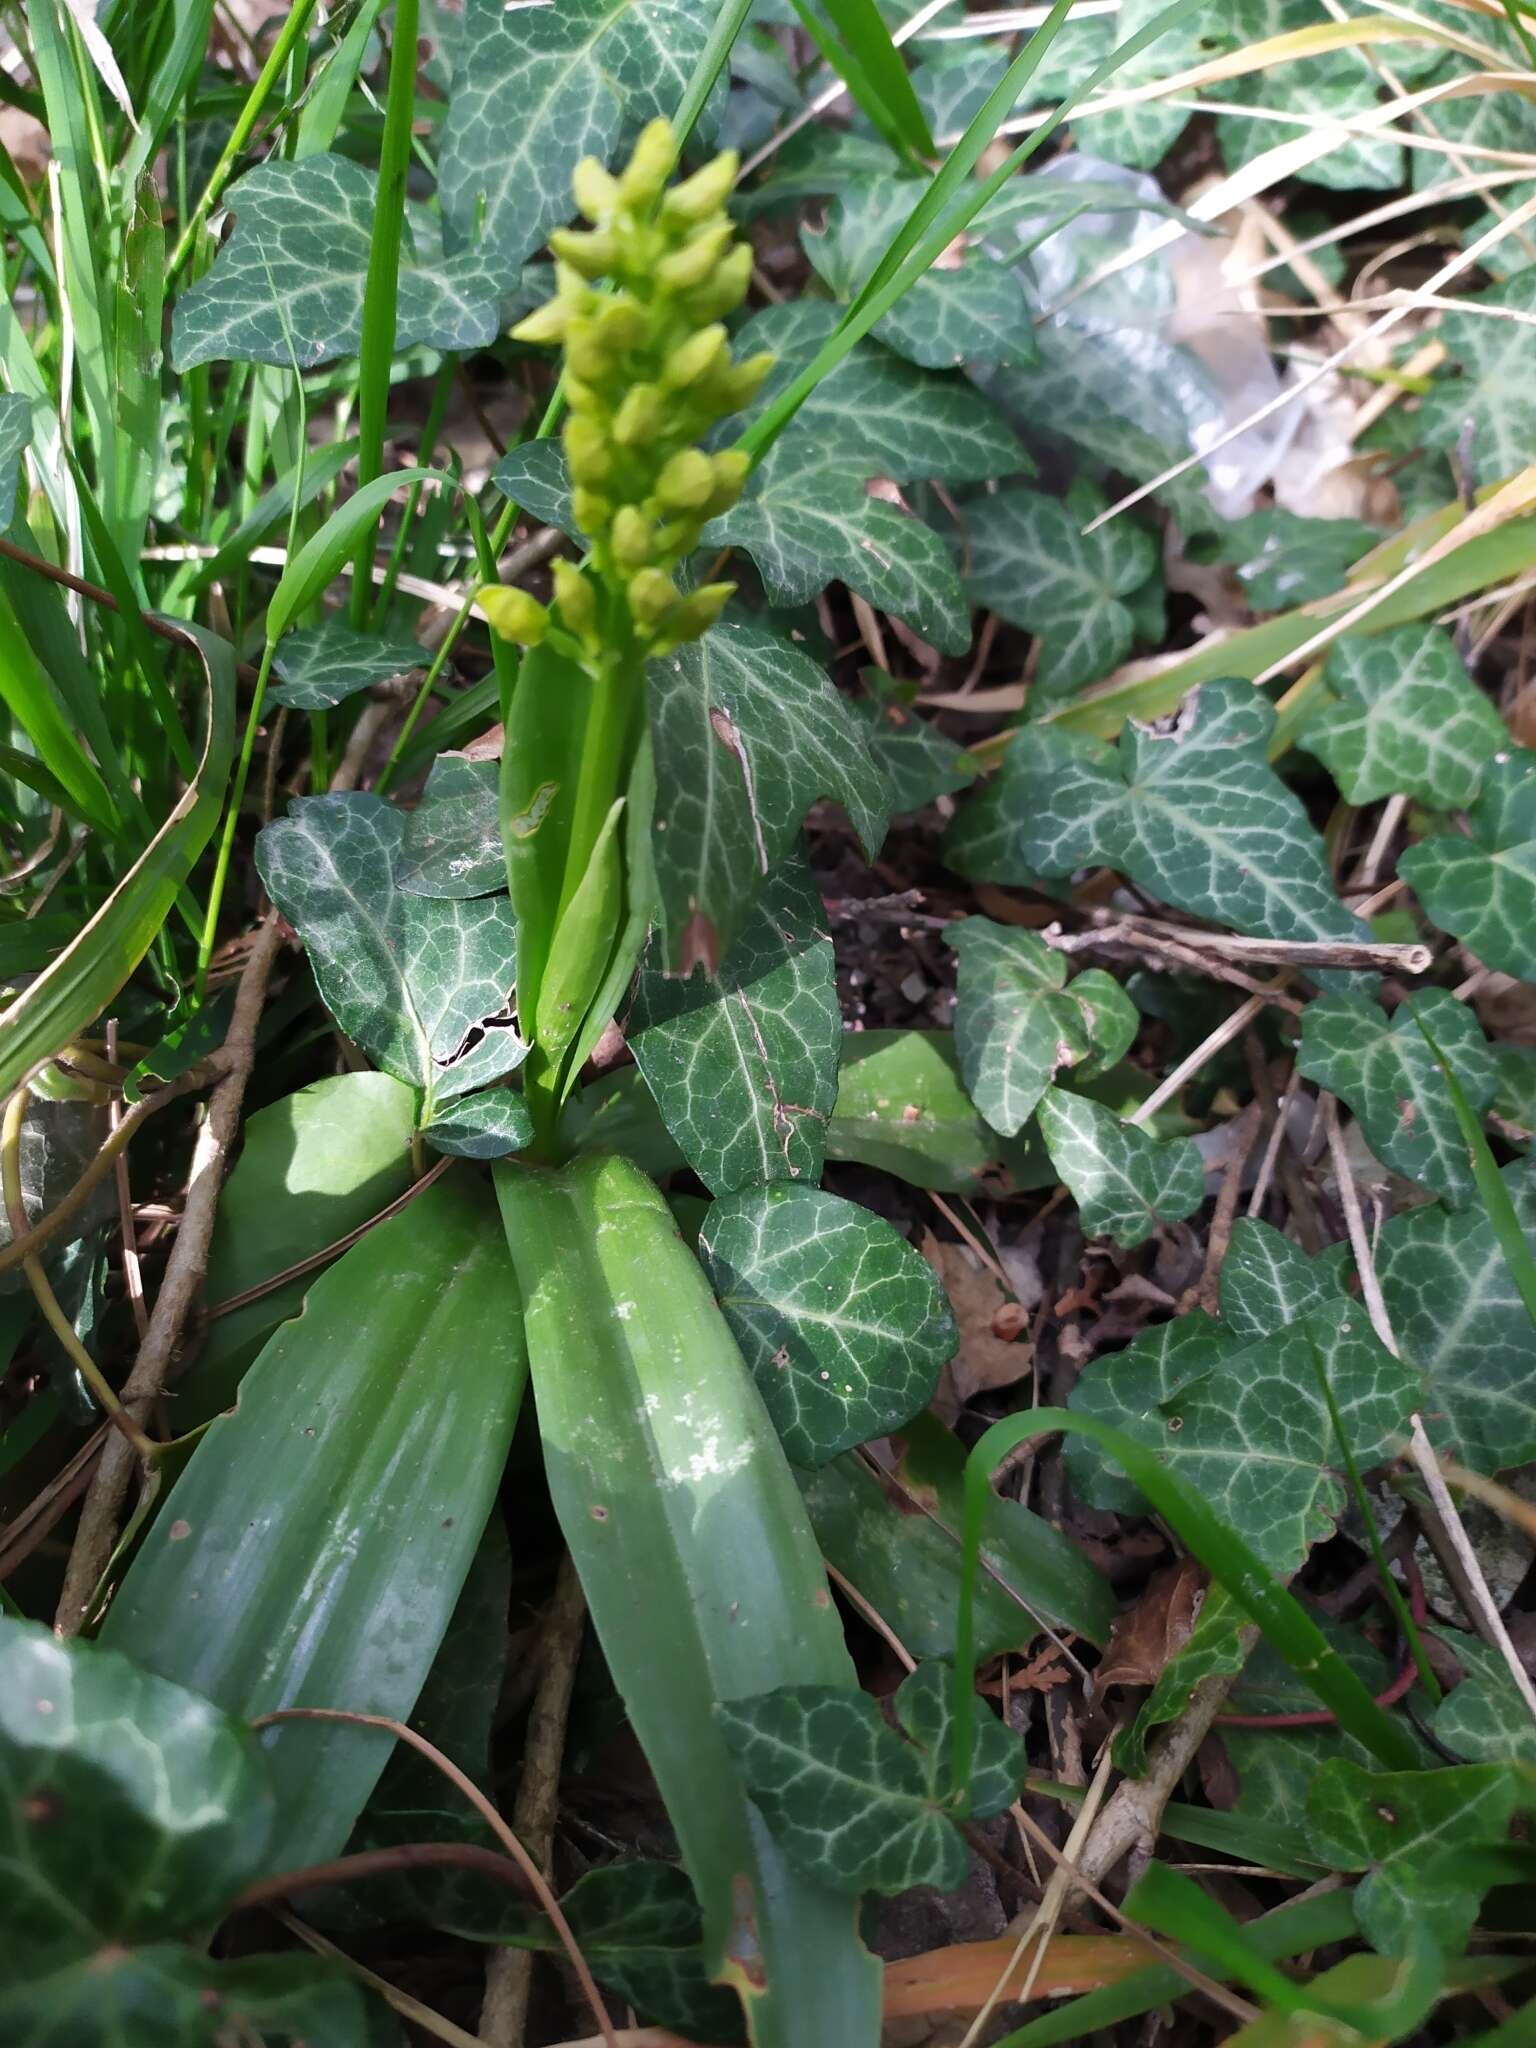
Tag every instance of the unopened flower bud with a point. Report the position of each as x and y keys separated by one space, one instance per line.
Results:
x=693 y=616
x=587 y=450
x=693 y=358
x=642 y=178
x=651 y=596
x=591 y=511
x=686 y=482
x=590 y=255
x=696 y=261
x=575 y=597
x=739 y=384
x=513 y=614
x=639 y=418
x=586 y=354
x=730 y=468
x=632 y=538
x=596 y=193
x=546 y=323
x=622 y=323
x=696 y=198
x=724 y=291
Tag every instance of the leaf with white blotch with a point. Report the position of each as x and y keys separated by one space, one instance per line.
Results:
x=744 y=1066
x=15 y=436
x=130 y=1808
x=1126 y=1183
x=1244 y=1421
x=535 y=89
x=1384 y=1070
x=1268 y=1283
x=921 y=763
x=422 y=984
x=1490 y=388
x=852 y=1804
x=452 y=841
x=842 y=1324
x=1404 y=1830
x=1189 y=808
x=748 y=733
x=287 y=286
x=166 y=1995
x=1017 y=1022
x=536 y=477
x=1482 y=888
x=1409 y=720
x=1033 y=565
x=485 y=1126
x=318 y=666
x=957 y=312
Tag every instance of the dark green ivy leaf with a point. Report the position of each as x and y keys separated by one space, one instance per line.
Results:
x=1408 y=719
x=1482 y=888
x=319 y=666
x=1126 y=1183
x=452 y=840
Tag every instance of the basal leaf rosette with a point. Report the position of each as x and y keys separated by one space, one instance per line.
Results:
x=640 y=296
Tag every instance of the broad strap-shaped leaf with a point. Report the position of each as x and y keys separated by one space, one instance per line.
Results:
x=1244 y=1421
x=1482 y=889
x=902 y=1108
x=748 y=733
x=1384 y=1070
x=1458 y=1315
x=1489 y=379
x=1189 y=808
x=970 y=310
x=1032 y=564
x=130 y=1808
x=15 y=437
x=844 y=1326
x=1126 y=1183
x=1017 y=1022
x=287 y=285
x=452 y=840
x=744 y=1066
x=318 y=666
x=535 y=89
x=422 y=984
x=1403 y=1829
x=1409 y=720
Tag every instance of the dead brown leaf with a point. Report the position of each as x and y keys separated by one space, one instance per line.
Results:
x=990 y=1354
x=1153 y=1628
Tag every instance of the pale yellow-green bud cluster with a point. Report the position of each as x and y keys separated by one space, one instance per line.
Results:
x=648 y=371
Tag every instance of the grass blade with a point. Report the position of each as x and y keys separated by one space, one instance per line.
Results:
x=860 y=50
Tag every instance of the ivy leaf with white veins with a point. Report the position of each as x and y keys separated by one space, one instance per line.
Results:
x=537 y=478
x=1033 y=565
x=1482 y=889
x=319 y=666
x=486 y=1126
x=1492 y=390
x=1126 y=1183
x=1189 y=808
x=1409 y=720
x=1404 y=1830
x=744 y=1066
x=843 y=1325
x=748 y=733
x=288 y=284
x=1268 y=1283
x=1017 y=1022
x=921 y=763
x=535 y=89
x=423 y=985
x=452 y=842
x=961 y=311
x=1245 y=1422
x=924 y=1706
x=1384 y=1070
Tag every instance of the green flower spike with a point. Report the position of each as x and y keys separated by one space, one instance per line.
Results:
x=648 y=372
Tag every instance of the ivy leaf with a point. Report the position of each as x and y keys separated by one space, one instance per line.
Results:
x=578 y=78
x=536 y=477
x=1383 y=1069
x=1283 y=559
x=1458 y=1315
x=1493 y=390
x=1482 y=889
x=1017 y=1022
x=451 y=845
x=287 y=286
x=1484 y=1719
x=486 y=1126
x=1033 y=565
x=319 y=666
x=748 y=733
x=1404 y=1830
x=843 y=1325
x=1268 y=1283
x=1139 y=135
x=1244 y=1422
x=919 y=761
x=1338 y=84
x=1410 y=719
x=1215 y=1646
x=423 y=985
x=974 y=309
x=167 y=1996
x=744 y=1067
x=15 y=437
x=924 y=1707
x=1126 y=1183
x=1189 y=808
x=132 y=1809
